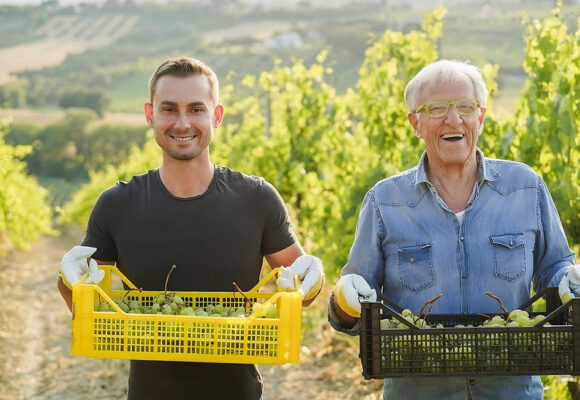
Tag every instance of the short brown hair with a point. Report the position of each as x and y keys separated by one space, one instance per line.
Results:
x=183 y=67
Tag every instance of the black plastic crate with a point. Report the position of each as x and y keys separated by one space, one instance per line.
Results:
x=536 y=350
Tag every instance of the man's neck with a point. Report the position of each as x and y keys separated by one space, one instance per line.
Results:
x=454 y=185
x=187 y=178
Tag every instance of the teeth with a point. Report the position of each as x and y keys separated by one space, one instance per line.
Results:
x=452 y=136
x=183 y=139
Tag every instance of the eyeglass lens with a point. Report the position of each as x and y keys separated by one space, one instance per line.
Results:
x=439 y=108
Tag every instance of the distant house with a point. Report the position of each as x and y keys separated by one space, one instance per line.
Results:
x=487 y=12
x=288 y=40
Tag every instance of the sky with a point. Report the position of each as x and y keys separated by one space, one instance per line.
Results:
x=69 y=2
x=36 y=2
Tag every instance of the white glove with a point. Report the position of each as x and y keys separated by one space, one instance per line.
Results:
x=349 y=291
x=74 y=264
x=569 y=286
x=311 y=273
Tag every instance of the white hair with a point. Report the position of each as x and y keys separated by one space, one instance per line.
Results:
x=444 y=71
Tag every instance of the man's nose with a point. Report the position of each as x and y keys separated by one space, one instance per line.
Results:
x=182 y=121
x=453 y=117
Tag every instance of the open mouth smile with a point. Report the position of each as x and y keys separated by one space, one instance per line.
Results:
x=183 y=138
x=453 y=137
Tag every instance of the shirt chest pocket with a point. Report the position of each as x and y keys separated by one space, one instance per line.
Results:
x=509 y=256
x=415 y=267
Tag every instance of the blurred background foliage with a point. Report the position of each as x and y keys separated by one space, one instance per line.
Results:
x=315 y=107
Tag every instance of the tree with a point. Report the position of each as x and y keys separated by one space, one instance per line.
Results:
x=12 y=95
x=95 y=99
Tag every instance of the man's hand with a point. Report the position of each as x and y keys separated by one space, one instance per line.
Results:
x=349 y=291
x=569 y=286
x=75 y=263
x=311 y=273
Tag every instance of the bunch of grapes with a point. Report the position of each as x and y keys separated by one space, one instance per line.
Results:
x=395 y=323
x=516 y=318
x=441 y=351
x=170 y=303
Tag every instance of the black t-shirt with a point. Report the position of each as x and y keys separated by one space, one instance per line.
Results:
x=214 y=239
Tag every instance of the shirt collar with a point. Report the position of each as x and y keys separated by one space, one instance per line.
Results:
x=484 y=171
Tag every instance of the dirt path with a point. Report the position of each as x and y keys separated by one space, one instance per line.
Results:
x=35 y=360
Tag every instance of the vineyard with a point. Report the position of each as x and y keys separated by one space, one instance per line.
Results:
x=61 y=36
x=322 y=149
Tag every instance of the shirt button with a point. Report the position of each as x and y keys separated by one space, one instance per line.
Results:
x=464 y=276
x=461 y=238
x=412 y=259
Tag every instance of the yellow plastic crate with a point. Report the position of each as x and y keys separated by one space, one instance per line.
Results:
x=121 y=335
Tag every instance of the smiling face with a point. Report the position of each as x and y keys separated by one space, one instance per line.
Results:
x=183 y=117
x=450 y=141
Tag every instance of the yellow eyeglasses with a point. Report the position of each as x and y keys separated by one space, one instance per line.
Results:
x=440 y=108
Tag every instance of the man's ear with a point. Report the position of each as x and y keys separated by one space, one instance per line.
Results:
x=148 y=108
x=481 y=118
x=218 y=114
x=414 y=120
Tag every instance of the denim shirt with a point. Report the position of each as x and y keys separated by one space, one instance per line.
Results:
x=410 y=245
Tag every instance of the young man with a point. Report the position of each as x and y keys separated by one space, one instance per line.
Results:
x=215 y=224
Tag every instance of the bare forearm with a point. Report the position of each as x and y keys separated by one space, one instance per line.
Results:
x=65 y=292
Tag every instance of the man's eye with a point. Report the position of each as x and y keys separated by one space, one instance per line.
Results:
x=436 y=108
x=466 y=107
x=168 y=109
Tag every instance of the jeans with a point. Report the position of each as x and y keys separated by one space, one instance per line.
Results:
x=464 y=388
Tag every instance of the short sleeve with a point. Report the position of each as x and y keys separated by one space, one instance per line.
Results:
x=278 y=233
x=98 y=233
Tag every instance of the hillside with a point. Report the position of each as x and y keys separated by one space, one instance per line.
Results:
x=115 y=46
x=60 y=36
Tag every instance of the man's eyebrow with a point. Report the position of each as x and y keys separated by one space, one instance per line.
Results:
x=197 y=103
x=172 y=103
x=167 y=103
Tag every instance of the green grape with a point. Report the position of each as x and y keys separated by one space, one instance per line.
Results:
x=239 y=310
x=187 y=311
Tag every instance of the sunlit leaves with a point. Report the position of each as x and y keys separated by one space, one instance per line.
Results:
x=547 y=118
x=24 y=212
x=323 y=150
